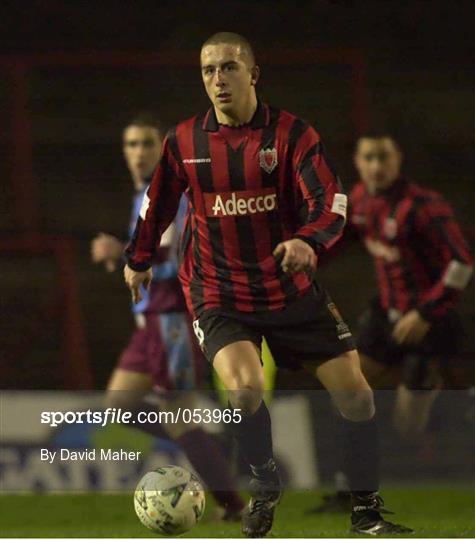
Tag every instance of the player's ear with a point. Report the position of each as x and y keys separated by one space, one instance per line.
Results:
x=255 y=72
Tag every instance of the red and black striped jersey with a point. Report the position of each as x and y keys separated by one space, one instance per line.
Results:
x=248 y=187
x=422 y=260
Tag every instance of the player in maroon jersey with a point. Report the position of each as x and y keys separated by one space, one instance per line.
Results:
x=422 y=265
x=248 y=170
x=161 y=360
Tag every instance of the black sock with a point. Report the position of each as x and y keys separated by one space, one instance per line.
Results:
x=361 y=456
x=341 y=474
x=254 y=438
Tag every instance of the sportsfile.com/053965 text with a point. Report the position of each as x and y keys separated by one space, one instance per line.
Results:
x=113 y=415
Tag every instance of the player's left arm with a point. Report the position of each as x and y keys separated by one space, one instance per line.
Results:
x=436 y=224
x=326 y=202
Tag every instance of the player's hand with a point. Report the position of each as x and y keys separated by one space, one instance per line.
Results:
x=411 y=328
x=297 y=256
x=134 y=279
x=106 y=249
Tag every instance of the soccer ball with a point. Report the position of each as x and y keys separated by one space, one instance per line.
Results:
x=169 y=500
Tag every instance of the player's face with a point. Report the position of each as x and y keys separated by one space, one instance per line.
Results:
x=229 y=81
x=142 y=147
x=378 y=162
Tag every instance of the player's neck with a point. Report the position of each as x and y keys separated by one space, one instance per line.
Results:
x=394 y=186
x=139 y=183
x=244 y=116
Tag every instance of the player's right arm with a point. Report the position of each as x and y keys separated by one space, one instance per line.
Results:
x=159 y=207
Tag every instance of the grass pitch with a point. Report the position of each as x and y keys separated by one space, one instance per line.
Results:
x=431 y=511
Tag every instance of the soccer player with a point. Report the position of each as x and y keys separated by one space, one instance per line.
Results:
x=248 y=169
x=422 y=265
x=162 y=355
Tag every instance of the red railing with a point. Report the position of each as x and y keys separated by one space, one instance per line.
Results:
x=64 y=306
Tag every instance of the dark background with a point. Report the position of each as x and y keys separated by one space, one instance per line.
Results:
x=419 y=80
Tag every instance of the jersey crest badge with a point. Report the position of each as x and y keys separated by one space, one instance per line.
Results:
x=268 y=159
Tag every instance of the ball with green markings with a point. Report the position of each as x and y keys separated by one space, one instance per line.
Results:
x=169 y=500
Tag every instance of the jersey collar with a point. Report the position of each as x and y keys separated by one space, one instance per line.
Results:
x=260 y=119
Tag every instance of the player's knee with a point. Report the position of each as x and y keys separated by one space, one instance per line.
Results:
x=248 y=400
x=357 y=405
x=245 y=390
x=125 y=399
x=412 y=411
x=119 y=399
x=364 y=408
x=407 y=428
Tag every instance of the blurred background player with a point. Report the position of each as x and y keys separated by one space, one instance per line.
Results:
x=411 y=329
x=422 y=265
x=162 y=354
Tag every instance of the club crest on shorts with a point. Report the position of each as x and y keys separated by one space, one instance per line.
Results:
x=268 y=159
x=342 y=328
x=334 y=311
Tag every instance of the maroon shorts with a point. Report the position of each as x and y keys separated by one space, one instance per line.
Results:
x=164 y=347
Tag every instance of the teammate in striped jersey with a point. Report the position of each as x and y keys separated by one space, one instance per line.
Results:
x=422 y=266
x=162 y=356
x=248 y=170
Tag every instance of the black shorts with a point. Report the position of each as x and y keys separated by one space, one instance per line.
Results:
x=444 y=340
x=309 y=329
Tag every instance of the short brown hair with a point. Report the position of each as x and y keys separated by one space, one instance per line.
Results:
x=378 y=134
x=233 y=39
x=146 y=119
